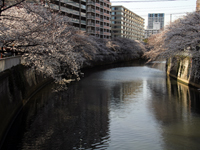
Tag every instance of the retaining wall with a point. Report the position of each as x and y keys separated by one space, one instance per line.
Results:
x=16 y=86
x=185 y=70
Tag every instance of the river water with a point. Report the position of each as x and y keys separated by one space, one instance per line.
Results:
x=134 y=107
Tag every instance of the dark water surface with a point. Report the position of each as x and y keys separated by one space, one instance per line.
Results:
x=122 y=108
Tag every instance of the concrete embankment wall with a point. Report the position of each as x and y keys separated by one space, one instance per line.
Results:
x=16 y=86
x=184 y=70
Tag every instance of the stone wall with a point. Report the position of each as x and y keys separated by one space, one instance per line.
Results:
x=184 y=70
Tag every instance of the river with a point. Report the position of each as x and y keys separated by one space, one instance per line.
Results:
x=129 y=107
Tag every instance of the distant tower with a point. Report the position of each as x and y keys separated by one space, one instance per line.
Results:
x=198 y=5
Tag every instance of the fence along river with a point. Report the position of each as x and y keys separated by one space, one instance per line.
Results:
x=134 y=106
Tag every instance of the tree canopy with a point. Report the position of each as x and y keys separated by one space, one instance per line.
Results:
x=52 y=46
x=182 y=37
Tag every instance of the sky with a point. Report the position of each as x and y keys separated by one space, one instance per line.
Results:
x=174 y=8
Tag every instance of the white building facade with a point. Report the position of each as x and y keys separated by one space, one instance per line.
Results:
x=155 y=23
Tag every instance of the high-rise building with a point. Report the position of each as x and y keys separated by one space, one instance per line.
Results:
x=98 y=18
x=198 y=5
x=154 y=18
x=155 y=24
x=92 y=16
x=76 y=10
x=126 y=24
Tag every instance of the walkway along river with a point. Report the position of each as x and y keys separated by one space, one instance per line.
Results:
x=131 y=107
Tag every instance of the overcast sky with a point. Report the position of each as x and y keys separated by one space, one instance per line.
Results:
x=177 y=8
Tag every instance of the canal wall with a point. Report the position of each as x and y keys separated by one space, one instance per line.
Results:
x=17 y=84
x=185 y=70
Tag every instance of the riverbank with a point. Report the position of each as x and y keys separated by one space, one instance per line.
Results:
x=111 y=108
x=19 y=83
x=185 y=70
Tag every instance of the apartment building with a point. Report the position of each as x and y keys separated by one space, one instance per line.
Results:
x=98 y=18
x=149 y=32
x=91 y=16
x=75 y=9
x=126 y=24
x=155 y=24
x=154 y=18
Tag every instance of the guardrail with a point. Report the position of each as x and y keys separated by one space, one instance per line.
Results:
x=9 y=62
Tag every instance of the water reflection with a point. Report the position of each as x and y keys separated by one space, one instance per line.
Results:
x=176 y=113
x=119 y=108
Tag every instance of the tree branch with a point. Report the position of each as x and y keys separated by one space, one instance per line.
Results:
x=1 y=10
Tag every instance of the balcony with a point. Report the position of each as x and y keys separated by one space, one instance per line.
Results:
x=97 y=11
x=106 y=8
x=97 y=4
x=97 y=18
x=83 y=6
x=107 y=21
x=69 y=11
x=91 y=24
x=97 y=25
x=91 y=17
x=105 y=14
x=83 y=14
x=83 y=22
x=91 y=3
x=91 y=10
x=98 y=32
x=107 y=27
x=91 y=31
x=107 y=33
x=75 y=20
x=70 y=2
x=106 y=1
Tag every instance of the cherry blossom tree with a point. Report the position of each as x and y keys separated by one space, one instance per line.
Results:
x=52 y=47
x=44 y=37
x=4 y=5
x=181 y=38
